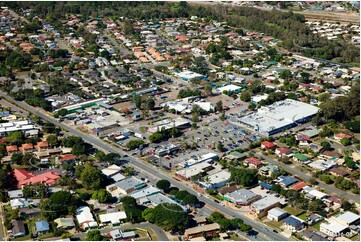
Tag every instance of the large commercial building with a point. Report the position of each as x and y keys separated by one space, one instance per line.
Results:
x=279 y=116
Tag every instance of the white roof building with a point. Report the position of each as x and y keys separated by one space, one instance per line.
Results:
x=347 y=218
x=217 y=180
x=111 y=170
x=113 y=218
x=187 y=173
x=188 y=75
x=229 y=88
x=279 y=116
x=333 y=229
x=322 y=165
x=85 y=218
x=258 y=98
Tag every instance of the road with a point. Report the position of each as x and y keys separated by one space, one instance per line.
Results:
x=306 y=177
x=149 y=169
x=122 y=50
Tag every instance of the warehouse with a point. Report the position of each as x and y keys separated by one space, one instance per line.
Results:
x=279 y=116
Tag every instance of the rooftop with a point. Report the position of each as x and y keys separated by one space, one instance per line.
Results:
x=279 y=115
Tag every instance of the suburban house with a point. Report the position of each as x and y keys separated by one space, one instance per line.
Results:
x=276 y=214
x=286 y=181
x=18 y=229
x=117 y=235
x=340 y=136
x=85 y=218
x=281 y=152
x=268 y=170
x=293 y=223
x=253 y=163
x=347 y=219
x=64 y=223
x=114 y=218
x=42 y=227
x=113 y=172
x=301 y=158
x=208 y=229
x=333 y=229
x=125 y=186
x=267 y=145
x=262 y=206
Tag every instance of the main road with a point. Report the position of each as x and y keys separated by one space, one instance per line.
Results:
x=149 y=169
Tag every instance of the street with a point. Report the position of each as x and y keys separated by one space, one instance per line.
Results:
x=147 y=168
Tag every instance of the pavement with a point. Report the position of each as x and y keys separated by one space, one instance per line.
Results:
x=149 y=169
x=306 y=177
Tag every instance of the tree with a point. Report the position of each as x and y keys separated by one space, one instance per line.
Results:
x=16 y=138
x=128 y=201
x=147 y=214
x=129 y=171
x=316 y=205
x=93 y=235
x=323 y=97
x=191 y=199
x=7 y=181
x=244 y=177
x=99 y=156
x=16 y=158
x=326 y=145
x=195 y=117
x=137 y=100
x=52 y=140
x=245 y=96
x=59 y=203
x=285 y=75
x=220 y=146
x=49 y=127
x=91 y=177
x=208 y=89
x=219 y=106
x=149 y=104
x=102 y=195
x=345 y=141
x=168 y=217
x=84 y=196
x=245 y=228
x=62 y=112
x=163 y=184
x=133 y=144
x=181 y=194
x=35 y=191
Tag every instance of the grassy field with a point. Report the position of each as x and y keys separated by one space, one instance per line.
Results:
x=303 y=216
x=293 y=211
x=317 y=226
x=356 y=237
x=274 y=224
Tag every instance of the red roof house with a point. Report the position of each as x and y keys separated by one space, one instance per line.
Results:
x=26 y=147
x=298 y=186
x=42 y=145
x=268 y=145
x=25 y=178
x=282 y=152
x=340 y=136
x=67 y=158
x=11 y=149
x=253 y=162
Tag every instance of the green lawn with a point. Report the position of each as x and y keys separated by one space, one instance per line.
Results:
x=293 y=211
x=234 y=237
x=317 y=226
x=45 y=236
x=356 y=237
x=303 y=216
x=23 y=238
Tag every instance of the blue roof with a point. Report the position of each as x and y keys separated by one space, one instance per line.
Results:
x=265 y=185
x=42 y=226
x=292 y=221
x=288 y=180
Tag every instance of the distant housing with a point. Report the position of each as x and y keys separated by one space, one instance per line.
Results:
x=279 y=116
